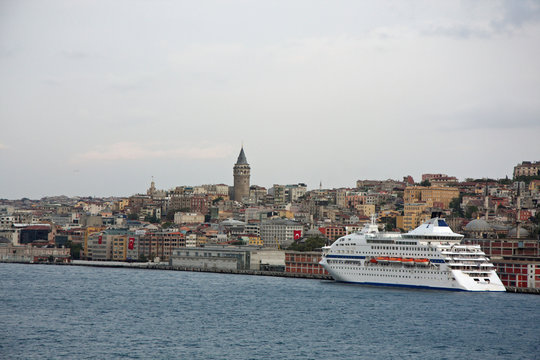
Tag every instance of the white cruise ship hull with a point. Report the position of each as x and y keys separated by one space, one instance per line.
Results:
x=423 y=278
x=429 y=256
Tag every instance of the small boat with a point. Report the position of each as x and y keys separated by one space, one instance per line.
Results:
x=394 y=260
x=422 y=262
x=373 y=260
x=382 y=259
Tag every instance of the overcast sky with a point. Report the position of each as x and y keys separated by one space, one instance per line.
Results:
x=96 y=97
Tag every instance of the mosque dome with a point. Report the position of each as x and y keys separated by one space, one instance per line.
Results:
x=232 y=222
x=313 y=233
x=523 y=233
x=478 y=225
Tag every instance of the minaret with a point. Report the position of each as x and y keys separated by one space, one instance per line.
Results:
x=241 y=172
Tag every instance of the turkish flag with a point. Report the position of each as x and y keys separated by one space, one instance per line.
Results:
x=130 y=243
x=99 y=240
x=297 y=234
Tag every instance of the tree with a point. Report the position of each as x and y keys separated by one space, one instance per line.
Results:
x=167 y=225
x=527 y=179
x=143 y=258
x=470 y=211
x=74 y=250
x=389 y=223
x=455 y=205
x=133 y=217
x=505 y=181
x=152 y=219
x=310 y=244
x=425 y=183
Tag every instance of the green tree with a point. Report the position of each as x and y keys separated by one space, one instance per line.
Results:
x=505 y=181
x=152 y=219
x=143 y=258
x=527 y=179
x=133 y=217
x=425 y=183
x=470 y=211
x=455 y=205
x=310 y=244
x=167 y=224
x=389 y=223
x=74 y=250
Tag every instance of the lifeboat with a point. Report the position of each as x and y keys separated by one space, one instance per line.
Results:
x=382 y=259
x=373 y=260
x=407 y=261
x=421 y=262
x=394 y=260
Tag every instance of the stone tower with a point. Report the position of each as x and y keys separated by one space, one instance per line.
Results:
x=241 y=172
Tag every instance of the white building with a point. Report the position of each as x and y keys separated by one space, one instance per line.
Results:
x=188 y=218
x=279 y=233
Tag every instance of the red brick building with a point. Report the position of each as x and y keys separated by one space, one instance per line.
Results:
x=304 y=262
x=520 y=274
x=517 y=261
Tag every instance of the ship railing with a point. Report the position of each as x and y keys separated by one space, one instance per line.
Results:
x=469 y=259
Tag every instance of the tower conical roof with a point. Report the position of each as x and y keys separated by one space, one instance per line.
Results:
x=242 y=158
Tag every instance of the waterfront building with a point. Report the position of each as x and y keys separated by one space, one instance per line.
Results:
x=160 y=243
x=241 y=173
x=519 y=274
x=517 y=261
x=211 y=258
x=304 y=262
x=33 y=254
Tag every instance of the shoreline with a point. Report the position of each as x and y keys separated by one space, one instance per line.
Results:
x=167 y=267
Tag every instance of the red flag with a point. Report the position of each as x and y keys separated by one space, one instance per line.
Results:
x=131 y=242
x=99 y=240
x=297 y=234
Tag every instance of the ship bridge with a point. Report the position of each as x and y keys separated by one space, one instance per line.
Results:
x=434 y=230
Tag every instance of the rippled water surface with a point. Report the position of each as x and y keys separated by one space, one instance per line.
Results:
x=75 y=312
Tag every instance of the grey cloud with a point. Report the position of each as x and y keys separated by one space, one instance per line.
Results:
x=517 y=14
x=512 y=15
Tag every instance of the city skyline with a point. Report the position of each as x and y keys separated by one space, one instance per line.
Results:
x=98 y=97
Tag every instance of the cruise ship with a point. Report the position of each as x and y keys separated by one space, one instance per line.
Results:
x=429 y=256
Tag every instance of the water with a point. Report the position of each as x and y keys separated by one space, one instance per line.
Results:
x=96 y=313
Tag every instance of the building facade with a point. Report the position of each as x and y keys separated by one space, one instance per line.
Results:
x=304 y=263
x=279 y=233
x=211 y=258
x=527 y=168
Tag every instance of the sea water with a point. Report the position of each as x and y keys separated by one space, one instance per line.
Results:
x=51 y=312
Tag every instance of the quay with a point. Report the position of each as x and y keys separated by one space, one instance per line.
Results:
x=166 y=266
